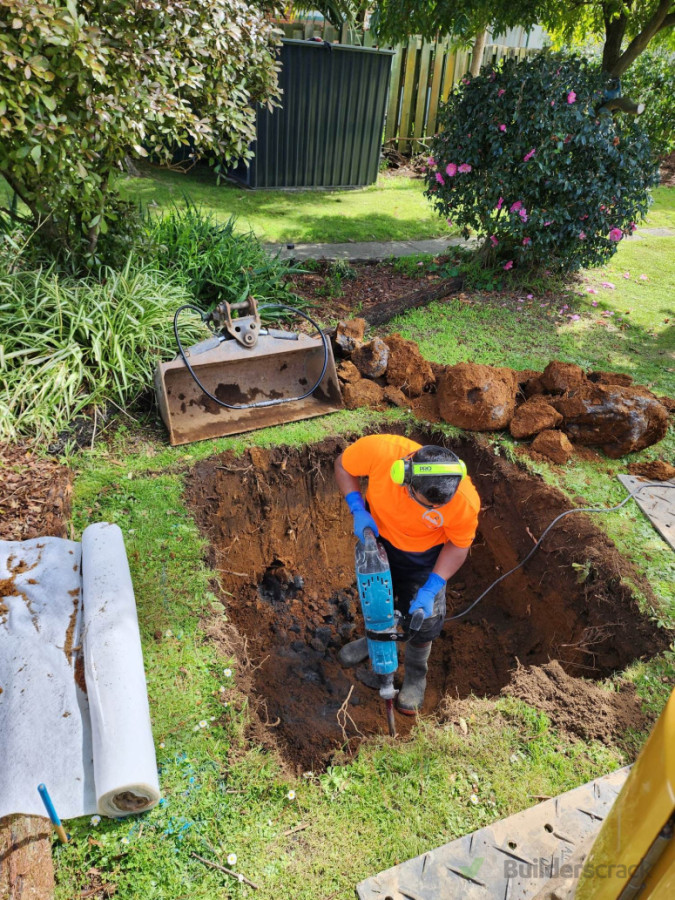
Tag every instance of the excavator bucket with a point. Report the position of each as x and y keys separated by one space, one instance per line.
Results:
x=272 y=370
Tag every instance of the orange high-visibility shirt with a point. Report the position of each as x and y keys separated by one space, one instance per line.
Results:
x=402 y=521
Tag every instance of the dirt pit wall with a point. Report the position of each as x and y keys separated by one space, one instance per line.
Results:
x=281 y=539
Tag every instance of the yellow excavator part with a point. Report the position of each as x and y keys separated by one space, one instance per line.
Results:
x=634 y=852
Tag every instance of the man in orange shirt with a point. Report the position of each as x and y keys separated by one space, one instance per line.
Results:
x=425 y=510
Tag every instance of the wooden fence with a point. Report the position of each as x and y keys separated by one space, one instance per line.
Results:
x=422 y=75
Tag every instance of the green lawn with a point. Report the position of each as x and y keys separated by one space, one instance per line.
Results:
x=393 y=209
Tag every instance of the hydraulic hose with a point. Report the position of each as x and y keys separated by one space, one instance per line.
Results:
x=262 y=403
x=589 y=509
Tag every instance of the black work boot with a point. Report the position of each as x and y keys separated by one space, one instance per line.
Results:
x=353 y=653
x=411 y=695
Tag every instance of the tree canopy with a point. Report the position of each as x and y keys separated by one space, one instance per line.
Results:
x=625 y=26
x=85 y=84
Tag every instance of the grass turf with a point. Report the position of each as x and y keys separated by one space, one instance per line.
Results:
x=393 y=209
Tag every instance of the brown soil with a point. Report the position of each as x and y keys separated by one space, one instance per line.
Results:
x=578 y=707
x=655 y=469
x=374 y=283
x=34 y=494
x=281 y=539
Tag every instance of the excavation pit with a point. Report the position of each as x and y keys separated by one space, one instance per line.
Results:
x=281 y=539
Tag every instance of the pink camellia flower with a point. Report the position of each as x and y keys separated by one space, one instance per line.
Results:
x=626 y=274
x=583 y=218
x=508 y=265
x=502 y=127
x=592 y=291
x=644 y=277
x=530 y=296
x=575 y=318
x=516 y=206
x=493 y=240
x=431 y=161
x=582 y=235
x=526 y=241
x=552 y=102
x=615 y=234
x=451 y=169
x=608 y=285
x=500 y=203
x=632 y=226
x=546 y=224
x=594 y=302
x=528 y=156
x=493 y=75
x=464 y=168
x=449 y=221
x=500 y=92
x=439 y=178
x=571 y=97
x=523 y=214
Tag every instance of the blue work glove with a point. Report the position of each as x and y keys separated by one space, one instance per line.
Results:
x=424 y=599
x=362 y=518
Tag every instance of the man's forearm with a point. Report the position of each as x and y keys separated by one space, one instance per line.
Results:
x=450 y=559
x=346 y=482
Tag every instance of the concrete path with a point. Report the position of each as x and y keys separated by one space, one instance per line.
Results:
x=372 y=250
x=358 y=252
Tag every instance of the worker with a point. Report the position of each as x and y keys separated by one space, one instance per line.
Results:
x=424 y=509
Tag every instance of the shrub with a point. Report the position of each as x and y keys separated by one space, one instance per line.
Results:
x=84 y=85
x=651 y=79
x=217 y=263
x=70 y=344
x=525 y=160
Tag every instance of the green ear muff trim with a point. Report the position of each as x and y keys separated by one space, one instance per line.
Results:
x=404 y=469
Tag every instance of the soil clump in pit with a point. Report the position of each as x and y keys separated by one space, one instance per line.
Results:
x=281 y=539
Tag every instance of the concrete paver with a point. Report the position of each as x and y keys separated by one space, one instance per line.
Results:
x=366 y=250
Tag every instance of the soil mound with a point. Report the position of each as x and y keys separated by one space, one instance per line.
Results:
x=479 y=398
x=533 y=416
x=656 y=470
x=407 y=369
x=578 y=707
x=619 y=419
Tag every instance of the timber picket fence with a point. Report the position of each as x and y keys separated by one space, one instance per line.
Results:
x=422 y=75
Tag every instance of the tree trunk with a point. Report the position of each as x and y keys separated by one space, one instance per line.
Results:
x=477 y=52
x=614 y=61
x=26 y=869
x=383 y=312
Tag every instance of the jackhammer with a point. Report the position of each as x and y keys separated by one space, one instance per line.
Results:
x=373 y=578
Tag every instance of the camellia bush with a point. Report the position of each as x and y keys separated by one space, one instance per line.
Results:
x=526 y=159
x=85 y=85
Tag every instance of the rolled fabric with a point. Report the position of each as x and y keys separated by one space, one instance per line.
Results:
x=125 y=766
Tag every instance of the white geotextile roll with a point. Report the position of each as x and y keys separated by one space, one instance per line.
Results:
x=125 y=767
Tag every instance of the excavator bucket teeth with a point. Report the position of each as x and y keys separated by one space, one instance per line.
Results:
x=274 y=369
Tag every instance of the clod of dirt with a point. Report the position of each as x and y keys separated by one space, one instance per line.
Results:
x=554 y=445
x=668 y=402
x=347 y=372
x=395 y=396
x=610 y=378
x=479 y=398
x=533 y=416
x=349 y=334
x=282 y=542
x=371 y=359
x=619 y=419
x=578 y=707
x=559 y=377
x=532 y=386
x=655 y=470
x=407 y=369
x=363 y=393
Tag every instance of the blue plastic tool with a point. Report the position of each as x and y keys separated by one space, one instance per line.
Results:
x=51 y=812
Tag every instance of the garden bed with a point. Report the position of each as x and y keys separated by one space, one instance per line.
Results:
x=281 y=541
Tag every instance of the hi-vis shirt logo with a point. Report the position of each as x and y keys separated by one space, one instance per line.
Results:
x=433 y=518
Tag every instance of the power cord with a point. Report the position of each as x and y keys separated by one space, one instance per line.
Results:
x=588 y=509
x=262 y=403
